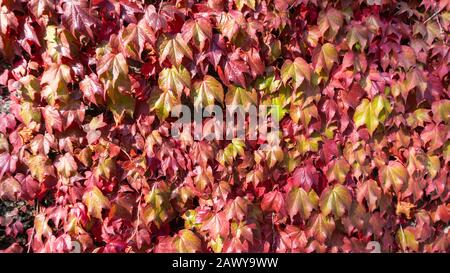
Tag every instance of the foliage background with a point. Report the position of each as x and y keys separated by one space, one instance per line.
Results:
x=86 y=154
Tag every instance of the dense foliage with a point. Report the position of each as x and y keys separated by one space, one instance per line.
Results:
x=86 y=153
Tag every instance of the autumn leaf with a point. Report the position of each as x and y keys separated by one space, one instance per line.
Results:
x=56 y=78
x=357 y=35
x=136 y=38
x=394 y=175
x=187 y=242
x=217 y=225
x=78 y=19
x=406 y=240
x=321 y=227
x=298 y=201
x=272 y=201
x=198 y=31
x=173 y=47
x=92 y=89
x=297 y=70
x=335 y=199
x=162 y=102
x=207 y=91
x=8 y=163
x=329 y=22
x=338 y=171
x=175 y=79
x=66 y=165
x=371 y=192
x=325 y=57
x=113 y=67
x=371 y=113
x=95 y=201
x=240 y=96
x=40 y=167
x=10 y=189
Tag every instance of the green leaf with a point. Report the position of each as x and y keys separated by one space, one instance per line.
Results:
x=298 y=201
x=235 y=148
x=175 y=79
x=207 y=91
x=29 y=113
x=269 y=84
x=336 y=199
x=441 y=111
x=106 y=168
x=297 y=70
x=371 y=113
x=418 y=117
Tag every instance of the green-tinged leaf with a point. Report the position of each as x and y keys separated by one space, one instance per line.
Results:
x=175 y=79
x=330 y=22
x=371 y=113
x=207 y=91
x=173 y=47
x=55 y=80
x=394 y=175
x=433 y=165
x=335 y=199
x=113 y=67
x=298 y=201
x=249 y=3
x=120 y=104
x=199 y=31
x=338 y=171
x=321 y=227
x=406 y=240
x=162 y=103
x=95 y=201
x=418 y=117
x=297 y=70
x=240 y=96
x=325 y=57
x=187 y=242
x=40 y=167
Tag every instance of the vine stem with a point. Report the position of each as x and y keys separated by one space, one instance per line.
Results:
x=34 y=229
x=432 y=16
x=136 y=228
x=273 y=233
